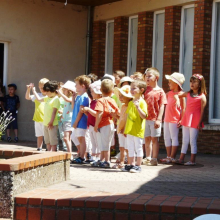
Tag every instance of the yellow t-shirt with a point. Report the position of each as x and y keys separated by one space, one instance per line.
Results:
x=39 y=109
x=135 y=125
x=50 y=104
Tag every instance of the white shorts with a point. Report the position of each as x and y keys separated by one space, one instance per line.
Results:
x=93 y=138
x=39 y=129
x=78 y=132
x=104 y=137
x=113 y=140
x=88 y=142
x=66 y=126
x=171 y=132
x=150 y=131
x=122 y=141
x=135 y=146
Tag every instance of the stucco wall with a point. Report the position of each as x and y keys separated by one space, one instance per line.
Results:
x=45 y=39
x=132 y=7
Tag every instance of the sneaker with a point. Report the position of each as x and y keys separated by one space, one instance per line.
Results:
x=88 y=156
x=145 y=161
x=89 y=161
x=104 y=164
x=190 y=163
x=9 y=139
x=153 y=162
x=39 y=149
x=135 y=169
x=16 y=139
x=78 y=160
x=127 y=168
x=95 y=163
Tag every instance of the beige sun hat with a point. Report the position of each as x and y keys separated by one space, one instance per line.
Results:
x=178 y=78
x=125 y=79
x=70 y=86
x=125 y=91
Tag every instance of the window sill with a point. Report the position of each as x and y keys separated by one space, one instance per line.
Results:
x=212 y=127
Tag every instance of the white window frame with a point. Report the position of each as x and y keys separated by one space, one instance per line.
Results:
x=129 y=38
x=5 y=69
x=181 y=36
x=106 y=45
x=212 y=62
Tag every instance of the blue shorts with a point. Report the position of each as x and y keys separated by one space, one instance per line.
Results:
x=13 y=124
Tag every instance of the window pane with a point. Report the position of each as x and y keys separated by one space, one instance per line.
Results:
x=216 y=89
x=132 y=57
x=159 y=44
x=109 y=48
x=187 y=45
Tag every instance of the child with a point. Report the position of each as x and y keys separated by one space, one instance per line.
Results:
x=79 y=119
x=38 y=112
x=65 y=121
x=192 y=118
x=135 y=125
x=52 y=104
x=137 y=76
x=125 y=81
x=104 y=126
x=118 y=75
x=155 y=99
x=96 y=94
x=12 y=104
x=173 y=115
x=125 y=97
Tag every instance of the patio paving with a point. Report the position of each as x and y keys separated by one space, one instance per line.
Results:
x=203 y=180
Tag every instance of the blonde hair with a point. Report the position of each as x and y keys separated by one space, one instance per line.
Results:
x=154 y=71
x=83 y=80
x=120 y=73
x=107 y=86
x=138 y=75
x=141 y=84
x=202 y=87
x=43 y=81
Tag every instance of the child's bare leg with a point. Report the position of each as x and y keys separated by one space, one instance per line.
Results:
x=122 y=155
x=155 y=145
x=174 y=151
x=54 y=147
x=107 y=155
x=102 y=156
x=132 y=160
x=182 y=156
x=193 y=158
x=67 y=139
x=82 y=143
x=16 y=132
x=40 y=141
x=139 y=161
x=169 y=150
x=48 y=147
x=148 y=146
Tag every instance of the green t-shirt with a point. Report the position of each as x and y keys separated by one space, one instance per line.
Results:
x=39 y=109
x=50 y=104
x=135 y=125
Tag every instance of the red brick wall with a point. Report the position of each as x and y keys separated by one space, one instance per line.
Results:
x=98 y=48
x=120 y=44
x=171 y=42
x=145 y=40
x=202 y=42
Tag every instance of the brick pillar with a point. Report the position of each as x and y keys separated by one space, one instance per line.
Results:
x=145 y=41
x=120 y=50
x=98 y=48
x=171 y=42
x=202 y=42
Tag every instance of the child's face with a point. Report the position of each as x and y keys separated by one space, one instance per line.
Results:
x=135 y=91
x=41 y=86
x=194 y=84
x=117 y=79
x=11 y=91
x=79 y=88
x=50 y=94
x=65 y=91
x=173 y=85
x=124 y=99
x=150 y=78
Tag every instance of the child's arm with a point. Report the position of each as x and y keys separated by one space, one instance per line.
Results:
x=183 y=108
x=79 y=116
x=73 y=100
x=50 y=124
x=90 y=111
x=27 y=95
x=159 y=117
x=203 y=104
x=178 y=96
x=142 y=114
x=99 y=115
x=67 y=99
x=18 y=105
x=40 y=99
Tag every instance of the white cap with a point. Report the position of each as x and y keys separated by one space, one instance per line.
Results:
x=110 y=76
x=125 y=79
x=70 y=86
x=96 y=86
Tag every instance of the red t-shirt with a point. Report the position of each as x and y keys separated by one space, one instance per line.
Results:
x=154 y=99
x=91 y=119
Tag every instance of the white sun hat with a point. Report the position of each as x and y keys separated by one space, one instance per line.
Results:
x=70 y=86
x=109 y=76
x=125 y=91
x=125 y=79
x=96 y=86
x=178 y=78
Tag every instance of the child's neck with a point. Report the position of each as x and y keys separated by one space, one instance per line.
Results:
x=175 y=90
x=81 y=92
x=153 y=85
x=195 y=91
x=137 y=97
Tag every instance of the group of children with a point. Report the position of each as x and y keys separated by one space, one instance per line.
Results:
x=91 y=110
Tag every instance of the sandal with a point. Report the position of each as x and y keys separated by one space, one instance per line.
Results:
x=164 y=159
x=117 y=166
x=190 y=163
x=178 y=161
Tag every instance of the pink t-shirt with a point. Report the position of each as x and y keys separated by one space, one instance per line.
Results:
x=154 y=99
x=91 y=119
x=172 y=113
x=192 y=114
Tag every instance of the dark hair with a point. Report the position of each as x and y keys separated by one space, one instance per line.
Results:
x=93 y=77
x=89 y=93
x=50 y=86
x=12 y=85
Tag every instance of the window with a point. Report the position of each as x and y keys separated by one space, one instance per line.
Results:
x=214 y=101
x=158 y=43
x=109 y=47
x=132 y=45
x=186 y=44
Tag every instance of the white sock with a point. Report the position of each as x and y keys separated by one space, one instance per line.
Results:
x=148 y=158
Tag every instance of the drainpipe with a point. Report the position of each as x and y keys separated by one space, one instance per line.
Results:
x=88 y=38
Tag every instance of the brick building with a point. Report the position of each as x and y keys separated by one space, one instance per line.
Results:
x=180 y=35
